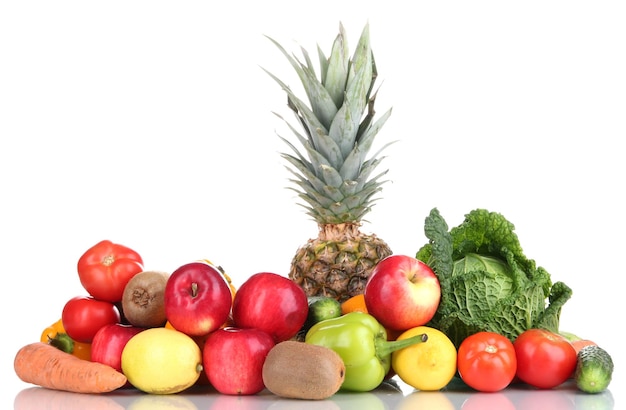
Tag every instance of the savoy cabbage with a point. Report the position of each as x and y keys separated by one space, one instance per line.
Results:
x=487 y=283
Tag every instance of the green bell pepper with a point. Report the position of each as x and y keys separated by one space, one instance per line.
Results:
x=361 y=342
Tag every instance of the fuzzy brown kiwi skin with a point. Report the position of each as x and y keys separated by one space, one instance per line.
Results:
x=143 y=299
x=299 y=370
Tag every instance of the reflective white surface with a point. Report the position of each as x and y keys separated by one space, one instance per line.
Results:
x=390 y=395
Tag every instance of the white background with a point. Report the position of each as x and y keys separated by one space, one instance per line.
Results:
x=150 y=124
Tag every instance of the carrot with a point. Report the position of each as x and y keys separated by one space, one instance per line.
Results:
x=46 y=366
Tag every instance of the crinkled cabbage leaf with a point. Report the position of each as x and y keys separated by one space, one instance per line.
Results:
x=487 y=283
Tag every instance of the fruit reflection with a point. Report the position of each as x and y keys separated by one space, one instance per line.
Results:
x=290 y=404
x=159 y=401
x=559 y=398
x=38 y=397
x=358 y=400
x=426 y=400
x=494 y=400
x=260 y=401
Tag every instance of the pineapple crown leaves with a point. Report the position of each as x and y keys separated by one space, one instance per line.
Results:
x=333 y=170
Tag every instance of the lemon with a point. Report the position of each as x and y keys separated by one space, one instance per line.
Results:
x=161 y=361
x=427 y=366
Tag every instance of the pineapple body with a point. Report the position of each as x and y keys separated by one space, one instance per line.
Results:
x=335 y=177
x=338 y=262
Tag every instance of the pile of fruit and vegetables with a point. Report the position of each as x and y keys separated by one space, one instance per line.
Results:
x=349 y=314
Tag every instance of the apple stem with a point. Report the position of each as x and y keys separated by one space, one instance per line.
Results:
x=384 y=347
x=194 y=289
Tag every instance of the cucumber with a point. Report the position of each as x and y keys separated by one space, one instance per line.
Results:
x=594 y=369
x=320 y=308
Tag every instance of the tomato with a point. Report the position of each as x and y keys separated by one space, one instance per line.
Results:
x=544 y=359
x=486 y=361
x=105 y=269
x=83 y=316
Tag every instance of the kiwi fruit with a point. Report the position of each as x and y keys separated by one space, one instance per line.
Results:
x=300 y=370
x=143 y=301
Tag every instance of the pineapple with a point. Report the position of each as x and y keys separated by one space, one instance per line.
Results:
x=333 y=173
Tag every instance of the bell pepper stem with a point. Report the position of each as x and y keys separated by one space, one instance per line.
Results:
x=62 y=342
x=384 y=347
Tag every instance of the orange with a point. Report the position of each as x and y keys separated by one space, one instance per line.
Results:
x=354 y=304
x=169 y=325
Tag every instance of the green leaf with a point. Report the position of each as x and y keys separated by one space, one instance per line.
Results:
x=440 y=248
x=344 y=128
x=309 y=119
x=336 y=68
x=329 y=149
x=305 y=173
x=360 y=77
x=367 y=138
x=321 y=102
x=550 y=318
x=331 y=176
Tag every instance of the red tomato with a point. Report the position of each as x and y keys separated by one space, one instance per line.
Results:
x=105 y=269
x=83 y=316
x=486 y=361
x=544 y=359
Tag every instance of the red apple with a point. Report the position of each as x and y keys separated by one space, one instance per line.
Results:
x=233 y=359
x=272 y=303
x=108 y=343
x=402 y=292
x=197 y=299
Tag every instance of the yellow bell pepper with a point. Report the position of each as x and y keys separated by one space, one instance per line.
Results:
x=55 y=335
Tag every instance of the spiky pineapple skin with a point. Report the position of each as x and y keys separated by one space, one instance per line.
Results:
x=338 y=262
